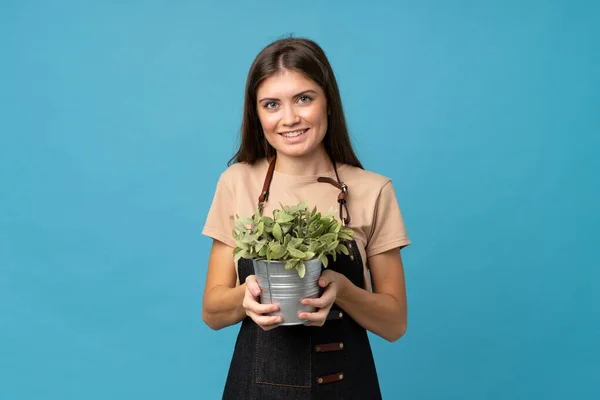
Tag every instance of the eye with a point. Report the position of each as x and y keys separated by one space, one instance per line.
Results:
x=269 y=105
x=305 y=99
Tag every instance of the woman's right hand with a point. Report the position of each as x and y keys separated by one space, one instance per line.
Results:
x=255 y=310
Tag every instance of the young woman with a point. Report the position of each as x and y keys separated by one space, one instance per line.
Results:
x=294 y=147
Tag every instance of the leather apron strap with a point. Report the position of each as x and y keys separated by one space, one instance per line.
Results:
x=344 y=214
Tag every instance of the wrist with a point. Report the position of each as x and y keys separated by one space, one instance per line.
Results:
x=343 y=284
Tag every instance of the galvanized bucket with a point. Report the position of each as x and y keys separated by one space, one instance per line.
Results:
x=285 y=288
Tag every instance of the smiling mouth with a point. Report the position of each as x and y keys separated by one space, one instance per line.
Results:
x=293 y=133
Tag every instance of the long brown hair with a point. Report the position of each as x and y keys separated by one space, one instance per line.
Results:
x=307 y=57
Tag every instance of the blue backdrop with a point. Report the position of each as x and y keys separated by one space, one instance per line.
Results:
x=116 y=119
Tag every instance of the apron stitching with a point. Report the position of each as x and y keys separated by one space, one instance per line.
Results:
x=310 y=361
x=282 y=384
x=256 y=358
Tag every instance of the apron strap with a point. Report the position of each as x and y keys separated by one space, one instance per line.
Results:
x=264 y=195
x=344 y=214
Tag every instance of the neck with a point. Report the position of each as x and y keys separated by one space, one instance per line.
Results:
x=313 y=164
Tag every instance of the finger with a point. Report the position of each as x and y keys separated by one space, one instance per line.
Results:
x=314 y=319
x=265 y=321
x=326 y=299
x=326 y=278
x=252 y=305
x=253 y=286
x=321 y=302
x=323 y=281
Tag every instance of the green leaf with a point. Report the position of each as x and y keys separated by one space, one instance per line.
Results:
x=268 y=221
x=301 y=269
x=246 y=221
x=249 y=239
x=324 y=260
x=239 y=225
x=314 y=247
x=282 y=218
x=296 y=253
x=318 y=232
x=342 y=248
x=329 y=237
x=259 y=245
x=343 y=236
x=263 y=251
x=333 y=225
x=303 y=205
x=285 y=228
x=347 y=231
x=332 y=246
x=295 y=242
x=277 y=251
x=277 y=231
x=260 y=228
x=292 y=263
x=241 y=244
x=241 y=254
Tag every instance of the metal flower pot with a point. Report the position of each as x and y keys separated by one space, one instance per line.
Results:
x=285 y=288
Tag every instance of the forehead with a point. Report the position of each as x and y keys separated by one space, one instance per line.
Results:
x=286 y=83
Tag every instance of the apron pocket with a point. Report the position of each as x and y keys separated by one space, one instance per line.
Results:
x=283 y=356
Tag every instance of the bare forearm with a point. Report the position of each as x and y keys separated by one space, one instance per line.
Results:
x=223 y=306
x=379 y=313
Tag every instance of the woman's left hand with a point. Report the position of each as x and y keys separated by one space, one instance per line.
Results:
x=333 y=282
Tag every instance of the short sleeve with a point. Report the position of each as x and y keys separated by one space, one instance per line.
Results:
x=388 y=230
x=220 y=219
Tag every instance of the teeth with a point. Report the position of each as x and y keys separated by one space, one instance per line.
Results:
x=294 y=134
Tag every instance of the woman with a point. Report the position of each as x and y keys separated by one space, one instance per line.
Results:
x=295 y=146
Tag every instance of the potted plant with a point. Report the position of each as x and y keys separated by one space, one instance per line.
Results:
x=288 y=251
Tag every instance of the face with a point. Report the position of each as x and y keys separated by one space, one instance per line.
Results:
x=293 y=113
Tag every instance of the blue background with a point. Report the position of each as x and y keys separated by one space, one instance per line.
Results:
x=116 y=118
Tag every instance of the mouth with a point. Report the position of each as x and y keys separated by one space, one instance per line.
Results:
x=293 y=134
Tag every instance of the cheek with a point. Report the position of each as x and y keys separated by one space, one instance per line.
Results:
x=318 y=118
x=267 y=122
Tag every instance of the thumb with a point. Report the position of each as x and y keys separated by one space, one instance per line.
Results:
x=324 y=281
x=327 y=277
x=253 y=286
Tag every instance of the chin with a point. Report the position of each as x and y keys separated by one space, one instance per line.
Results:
x=296 y=154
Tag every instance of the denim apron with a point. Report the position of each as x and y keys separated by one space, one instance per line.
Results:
x=333 y=361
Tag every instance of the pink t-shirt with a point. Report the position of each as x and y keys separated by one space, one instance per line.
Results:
x=375 y=215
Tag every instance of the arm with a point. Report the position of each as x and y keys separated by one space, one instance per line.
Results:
x=222 y=302
x=226 y=304
x=383 y=312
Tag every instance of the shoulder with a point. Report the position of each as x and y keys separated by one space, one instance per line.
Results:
x=242 y=172
x=363 y=180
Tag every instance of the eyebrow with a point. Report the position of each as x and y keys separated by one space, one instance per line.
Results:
x=297 y=95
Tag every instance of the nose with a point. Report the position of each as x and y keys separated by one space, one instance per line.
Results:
x=290 y=116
